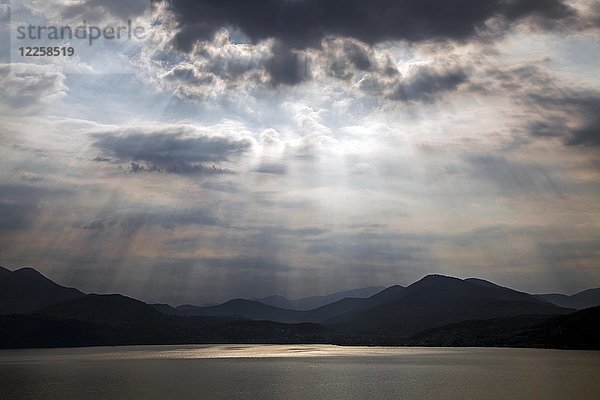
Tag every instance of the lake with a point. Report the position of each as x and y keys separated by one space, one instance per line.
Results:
x=298 y=372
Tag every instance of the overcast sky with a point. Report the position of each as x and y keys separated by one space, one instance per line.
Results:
x=299 y=147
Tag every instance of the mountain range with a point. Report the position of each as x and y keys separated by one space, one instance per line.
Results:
x=436 y=310
x=587 y=298
x=312 y=302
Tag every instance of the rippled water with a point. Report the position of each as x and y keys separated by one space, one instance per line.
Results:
x=298 y=372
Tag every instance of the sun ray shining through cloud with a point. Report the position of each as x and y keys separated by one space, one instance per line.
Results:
x=244 y=149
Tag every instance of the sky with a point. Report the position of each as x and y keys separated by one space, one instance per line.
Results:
x=299 y=147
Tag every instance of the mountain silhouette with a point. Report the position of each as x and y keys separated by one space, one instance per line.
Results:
x=438 y=300
x=435 y=311
x=312 y=302
x=111 y=309
x=26 y=290
x=256 y=310
x=245 y=309
x=579 y=330
x=433 y=301
x=586 y=299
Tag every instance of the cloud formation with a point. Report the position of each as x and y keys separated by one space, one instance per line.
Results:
x=304 y=23
x=166 y=219
x=426 y=83
x=27 y=87
x=171 y=149
x=573 y=117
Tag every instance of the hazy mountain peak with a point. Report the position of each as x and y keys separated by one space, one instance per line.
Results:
x=585 y=299
x=313 y=302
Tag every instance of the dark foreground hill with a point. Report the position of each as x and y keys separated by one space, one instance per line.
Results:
x=111 y=309
x=26 y=290
x=39 y=331
x=95 y=320
x=579 y=330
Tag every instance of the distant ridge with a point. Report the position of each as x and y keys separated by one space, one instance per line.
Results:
x=312 y=302
x=586 y=299
x=258 y=311
x=243 y=308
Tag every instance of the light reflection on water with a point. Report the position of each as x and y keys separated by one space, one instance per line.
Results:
x=298 y=372
x=215 y=351
x=272 y=351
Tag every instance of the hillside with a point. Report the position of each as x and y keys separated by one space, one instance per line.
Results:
x=586 y=299
x=110 y=309
x=439 y=300
x=26 y=290
x=579 y=330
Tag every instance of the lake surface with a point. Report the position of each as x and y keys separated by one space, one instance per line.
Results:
x=298 y=372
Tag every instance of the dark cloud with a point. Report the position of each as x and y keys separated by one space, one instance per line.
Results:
x=588 y=134
x=427 y=83
x=173 y=149
x=516 y=9
x=286 y=67
x=189 y=75
x=344 y=57
x=552 y=108
x=524 y=79
x=179 y=168
x=573 y=117
x=424 y=83
x=304 y=23
x=132 y=222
